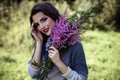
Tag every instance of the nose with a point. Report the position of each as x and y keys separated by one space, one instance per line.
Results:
x=41 y=25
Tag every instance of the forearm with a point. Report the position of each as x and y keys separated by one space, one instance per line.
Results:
x=61 y=66
x=37 y=55
x=33 y=70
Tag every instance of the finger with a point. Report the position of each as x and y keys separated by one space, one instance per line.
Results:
x=39 y=31
x=51 y=55
x=32 y=24
x=33 y=31
x=32 y=28
x=51 y=52
x=52 y=48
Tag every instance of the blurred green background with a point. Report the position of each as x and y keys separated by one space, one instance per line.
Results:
x=101 y=40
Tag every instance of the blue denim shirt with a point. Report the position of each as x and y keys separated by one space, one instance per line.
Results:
x=74 y=58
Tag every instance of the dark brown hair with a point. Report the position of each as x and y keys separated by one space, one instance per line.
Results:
x=48 y=9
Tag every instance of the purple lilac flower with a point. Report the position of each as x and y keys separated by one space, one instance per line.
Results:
x=64 y=33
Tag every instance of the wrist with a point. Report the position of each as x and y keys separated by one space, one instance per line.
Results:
x=35 y=65
x=62 y=67
x=38 y=43
x=58 y=63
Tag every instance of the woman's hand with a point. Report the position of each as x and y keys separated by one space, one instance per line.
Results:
x=54 y=55
x=36 y=34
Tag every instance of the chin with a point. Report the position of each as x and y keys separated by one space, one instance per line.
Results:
x=48 y=34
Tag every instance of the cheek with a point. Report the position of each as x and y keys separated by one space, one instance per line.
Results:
x=39 y=29
x=52 y=23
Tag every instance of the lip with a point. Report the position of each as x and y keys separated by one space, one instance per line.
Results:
x=46 y=30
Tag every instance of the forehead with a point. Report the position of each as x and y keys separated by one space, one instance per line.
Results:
x=38 y=16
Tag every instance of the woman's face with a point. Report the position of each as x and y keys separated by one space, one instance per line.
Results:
x=43 y=22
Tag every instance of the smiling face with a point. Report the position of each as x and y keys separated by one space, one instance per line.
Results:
x=43 y=23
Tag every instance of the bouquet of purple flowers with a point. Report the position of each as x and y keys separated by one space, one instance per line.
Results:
x=64 y=33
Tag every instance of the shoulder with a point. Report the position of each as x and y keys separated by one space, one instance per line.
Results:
x=77 y=50
x=77 y=46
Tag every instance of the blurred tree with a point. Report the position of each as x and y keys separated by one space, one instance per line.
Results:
x=70 y=2
x=117 y=16
x=10 y=2
x=106 y=19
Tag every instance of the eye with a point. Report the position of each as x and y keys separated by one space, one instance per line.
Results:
x=43 y=19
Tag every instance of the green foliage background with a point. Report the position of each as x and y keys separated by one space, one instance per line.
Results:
x=100 y=40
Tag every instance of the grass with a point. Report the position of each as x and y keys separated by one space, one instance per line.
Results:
x=102 y=55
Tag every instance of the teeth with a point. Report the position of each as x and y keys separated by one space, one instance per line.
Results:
x=45 y=30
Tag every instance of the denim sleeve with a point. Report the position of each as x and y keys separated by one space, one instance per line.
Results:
x=34 y=73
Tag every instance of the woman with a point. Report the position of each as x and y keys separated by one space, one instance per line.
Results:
x=68 y=64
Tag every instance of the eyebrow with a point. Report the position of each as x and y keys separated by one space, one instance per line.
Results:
x=43 y=18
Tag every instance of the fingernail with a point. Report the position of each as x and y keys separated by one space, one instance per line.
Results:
x=50 y=49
